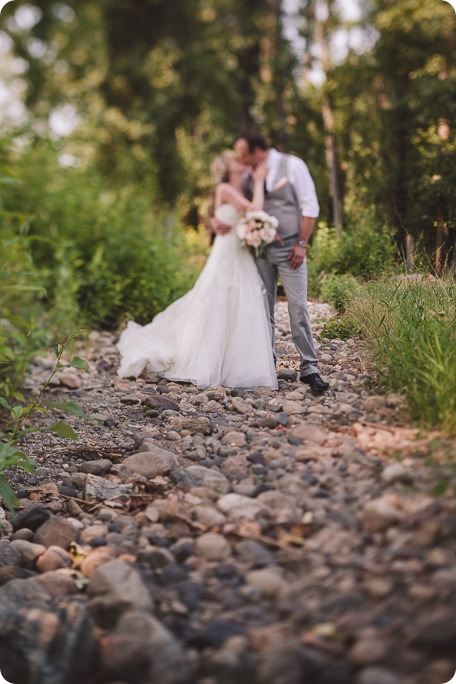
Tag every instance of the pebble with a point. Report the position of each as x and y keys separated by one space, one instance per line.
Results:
x=55 y=532
x=378 y=675
x=213 y=547
x=268 y=581
x=53 y=558
x=29 y=552
x=151 y=463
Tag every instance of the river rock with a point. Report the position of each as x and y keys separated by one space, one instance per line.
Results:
x=141 y=649
x=151 y=463
x=56 y=532
x=114 y=588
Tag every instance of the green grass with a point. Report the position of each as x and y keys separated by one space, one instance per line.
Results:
x=410 y=328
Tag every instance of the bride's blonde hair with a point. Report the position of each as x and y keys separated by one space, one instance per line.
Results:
x=220 y=167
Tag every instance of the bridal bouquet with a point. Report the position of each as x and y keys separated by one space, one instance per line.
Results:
x=257 y=230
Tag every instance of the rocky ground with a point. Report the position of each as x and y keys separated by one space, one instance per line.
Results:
x=219 y=537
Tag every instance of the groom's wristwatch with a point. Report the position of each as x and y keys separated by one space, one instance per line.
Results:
x=302 y=243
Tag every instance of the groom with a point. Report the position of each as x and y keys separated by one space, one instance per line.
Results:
x=289 y=196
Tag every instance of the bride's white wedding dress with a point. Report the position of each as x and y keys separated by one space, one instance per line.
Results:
x=216 y=334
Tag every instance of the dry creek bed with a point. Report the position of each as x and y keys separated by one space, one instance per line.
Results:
x=219 y=537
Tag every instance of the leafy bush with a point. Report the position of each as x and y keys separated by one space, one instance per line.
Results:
x=17 y=425
x=364 y=251
x=20 y=298
x=101 y=250
x=341 y=327
x=338 y=290
x=410 y=327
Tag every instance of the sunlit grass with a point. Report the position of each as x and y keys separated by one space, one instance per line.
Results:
x=410 y=329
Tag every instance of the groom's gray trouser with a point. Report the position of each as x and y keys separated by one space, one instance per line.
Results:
x=272 y=265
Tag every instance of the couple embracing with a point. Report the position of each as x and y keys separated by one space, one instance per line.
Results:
x=222 y=331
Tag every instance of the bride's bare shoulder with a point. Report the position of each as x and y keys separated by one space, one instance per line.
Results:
x=225 y=192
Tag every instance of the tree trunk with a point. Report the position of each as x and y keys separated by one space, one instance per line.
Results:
x=410 y=253
x=332 y=164
x=328 y=121
x=442 y=236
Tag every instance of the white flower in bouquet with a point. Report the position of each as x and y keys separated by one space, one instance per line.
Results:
x=241 y=230
x=267 y=233
x=253 y=239
x=257 y=229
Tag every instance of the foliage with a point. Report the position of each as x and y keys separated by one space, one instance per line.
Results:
x=16 y=426
x=155 y=89
x=339 y=327
x=362 y=252
x=395 y=109
x=338 y=290
x=410 y=327
x=21 y=293
x=99 y=249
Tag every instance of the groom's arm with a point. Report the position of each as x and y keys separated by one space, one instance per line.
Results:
x=217 y=226
x=304 y=188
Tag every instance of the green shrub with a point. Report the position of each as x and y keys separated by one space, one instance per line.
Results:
x=21 y=295
x=338 y=290
x=364 y=251
x=103 y=251
x=410 y=327
x=341 y=327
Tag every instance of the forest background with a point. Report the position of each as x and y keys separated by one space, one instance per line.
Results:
x=113 y=111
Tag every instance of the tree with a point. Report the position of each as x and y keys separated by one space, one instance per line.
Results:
x=396 y=93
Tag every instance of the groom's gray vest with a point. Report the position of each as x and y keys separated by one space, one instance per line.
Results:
x=281 y=201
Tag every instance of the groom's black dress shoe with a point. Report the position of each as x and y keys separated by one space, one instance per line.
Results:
x=315 y=382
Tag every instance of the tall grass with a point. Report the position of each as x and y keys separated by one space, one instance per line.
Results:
x=410 y=328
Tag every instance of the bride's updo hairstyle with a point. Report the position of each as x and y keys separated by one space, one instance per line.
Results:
x=220 y=167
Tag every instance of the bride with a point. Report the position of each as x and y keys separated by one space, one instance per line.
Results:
x=219 y=332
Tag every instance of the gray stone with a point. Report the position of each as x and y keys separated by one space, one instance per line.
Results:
x=99 y=466
x=39 y=643
x=378 y=675
x=208 y=515
x=242 y=406
x=213 y=547
x=9 y=554
x=288 y=664
x=142 y=649
x=160 y=403
x=114 y=588
x=58 y=583
x=234 y=438
x=237 y=506
x=380 y=514
x=31 y=517
x=152 y=463
x=368 y=650
x=29 y=552
x=253 y=554
x=200 y=476
x=56 y=532
x=197 y=425
x=99 y=489
x=268 y=581
x=396 y=472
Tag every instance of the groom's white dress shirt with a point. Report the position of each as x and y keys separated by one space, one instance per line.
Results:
x=299 y=177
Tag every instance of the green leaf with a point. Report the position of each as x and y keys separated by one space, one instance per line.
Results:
x=17 y=412
x=76 y=362
x=20 y=322
x=58 y=349
x=8 y=494
x=5 y=404
x=27 y=464
x=69 y=407
x=63 y=430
